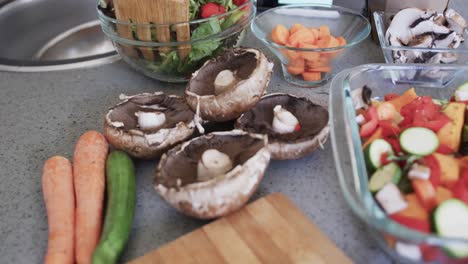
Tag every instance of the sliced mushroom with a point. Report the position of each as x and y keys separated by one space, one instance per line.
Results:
x=455 y=21
x=418 y=28
x=411 y=22
x=212 y=175
x=361 y=97
x=451 y=40
x=313 y=121
x=229 y=85
x=146 y=125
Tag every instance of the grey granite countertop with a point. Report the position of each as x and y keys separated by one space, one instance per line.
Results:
x=43 y=114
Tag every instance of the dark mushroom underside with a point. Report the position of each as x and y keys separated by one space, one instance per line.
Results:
x=174 y=108
x=240 y=61
x=183 y=164
x=312 y=118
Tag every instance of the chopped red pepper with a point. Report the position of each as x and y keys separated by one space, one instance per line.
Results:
x=211 y=9
x=390 y=96
x=297 y=127
x=413 y=223
x=444 y=149
x=460 y=190
x=423 y=112
x=384 y=159
x=395 y=144
x=368 y=128
x=389 y=128
x=430 y=253
x=239 y=2
x=433 y=164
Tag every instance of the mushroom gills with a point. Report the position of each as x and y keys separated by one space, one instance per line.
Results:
x=225 y=80
x=213 y=163
x=284 y=121
x=150 y=120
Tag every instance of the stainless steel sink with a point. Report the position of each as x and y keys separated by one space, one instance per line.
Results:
x=45 y=35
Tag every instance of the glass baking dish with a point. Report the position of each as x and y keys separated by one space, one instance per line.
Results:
x=382 y=21
x=348 y=154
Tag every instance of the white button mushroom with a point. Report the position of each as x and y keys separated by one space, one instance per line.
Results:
x=391 y=199
x=213 y=163
x=224 y=80
x=284 y=121
x=150 y=120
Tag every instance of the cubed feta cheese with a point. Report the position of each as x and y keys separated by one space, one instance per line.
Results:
x=391 y=199
x=419 y=172
x=407 y=250
x=360 y=119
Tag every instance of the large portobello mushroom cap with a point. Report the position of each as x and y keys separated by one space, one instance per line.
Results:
x=146 y=125
x=311 y=132
x=226 y=86
x=212 y=175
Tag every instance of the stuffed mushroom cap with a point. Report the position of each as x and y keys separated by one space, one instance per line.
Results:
x=313 y=125
x=179 y=182
x=146 y=125
x=230 y=84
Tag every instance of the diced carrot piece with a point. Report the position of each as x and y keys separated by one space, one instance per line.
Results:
x=280 y=34
x=309 y=55
x=415 y=209
x=301 y=36
x=324 y=31
x=341 y=40
x=320 y=69
x=323 y=42
x=333 y=42
x=425 y=192
x=377 y=134
x=317 y=63
x=294 y=70
x=443 y=194
x=311 y=76
x=315 y=32
x=296 y=27
x=291 y=54
x=296 y=66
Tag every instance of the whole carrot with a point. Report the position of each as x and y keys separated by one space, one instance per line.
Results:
x=89 y=161
x=57 y=187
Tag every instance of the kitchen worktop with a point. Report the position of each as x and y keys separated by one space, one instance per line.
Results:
x=43 y=114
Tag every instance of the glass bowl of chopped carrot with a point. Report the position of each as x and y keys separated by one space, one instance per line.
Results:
x=309 y=39
x=400 y=145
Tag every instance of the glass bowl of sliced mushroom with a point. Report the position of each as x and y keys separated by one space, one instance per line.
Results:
x=414 y=35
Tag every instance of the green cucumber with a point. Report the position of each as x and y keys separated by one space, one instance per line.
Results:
x=373 y=153
x=419 y=141
x=388 y=173
x=451 y=220
x=121 y=197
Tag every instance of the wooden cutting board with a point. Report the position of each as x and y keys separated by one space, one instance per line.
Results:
x=270 y=230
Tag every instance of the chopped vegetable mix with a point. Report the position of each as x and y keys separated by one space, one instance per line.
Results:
x=413 y=149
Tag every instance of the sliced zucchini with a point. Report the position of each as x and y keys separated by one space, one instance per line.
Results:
x=373 y=153
x=419 y=141
x=388 y=173
x=451 y=220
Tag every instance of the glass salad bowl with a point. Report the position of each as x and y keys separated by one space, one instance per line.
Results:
x=349 y=158
x=341 y=22
x=458 y=55
x=173 y=60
